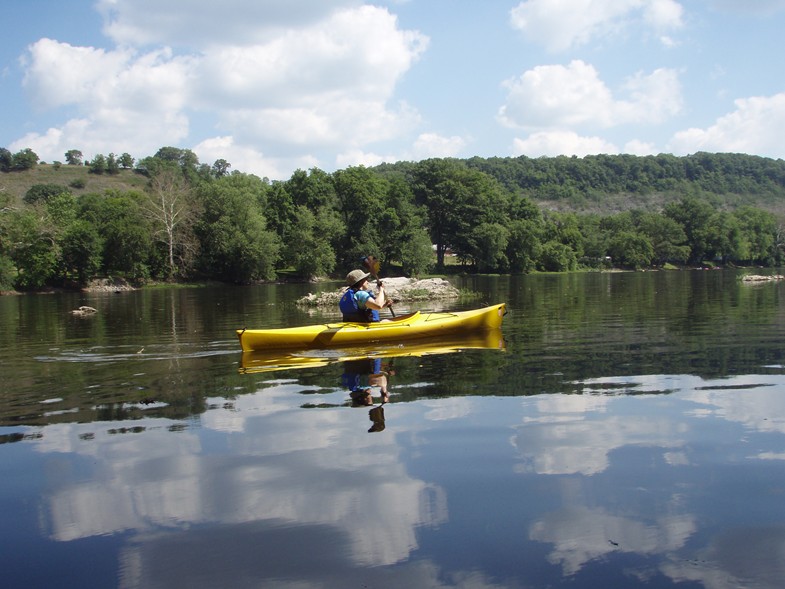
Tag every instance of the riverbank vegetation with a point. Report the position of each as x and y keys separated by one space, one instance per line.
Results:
x=169 y=217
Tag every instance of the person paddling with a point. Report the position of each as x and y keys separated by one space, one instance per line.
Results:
x=358 y=303
x=372 y=264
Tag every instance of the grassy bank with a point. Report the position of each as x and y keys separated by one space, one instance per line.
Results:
x=18 y=183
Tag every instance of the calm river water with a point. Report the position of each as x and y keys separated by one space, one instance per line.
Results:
x=628 y=432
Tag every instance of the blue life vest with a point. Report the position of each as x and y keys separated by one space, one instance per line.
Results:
x=351 y=309
x=356 y=372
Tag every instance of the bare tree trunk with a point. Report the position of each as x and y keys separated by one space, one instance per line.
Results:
x=170 y=208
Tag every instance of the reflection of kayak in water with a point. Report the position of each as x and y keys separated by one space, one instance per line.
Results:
x=407 y=327
x=266 y=361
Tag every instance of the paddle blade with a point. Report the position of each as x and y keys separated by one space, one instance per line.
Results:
x=372 y=264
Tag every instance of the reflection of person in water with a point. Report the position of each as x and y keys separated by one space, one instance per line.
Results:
x=376 y=415
x=361 y=377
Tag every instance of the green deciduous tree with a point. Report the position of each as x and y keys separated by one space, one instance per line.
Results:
x=43 y=192
x=456 y=199
x=36 y=238
x=280 y=212
x=126 y=161
x=73 y=157
x=7 y=268
x=693 y=215
x=438 y=191
x=124 y=230
x=174 y=158
x=25 y=159
x=61 y=211
x=7 y=272
x=488 y=247
x=415 y=251
x=314 y=189
x=630 y=249
x=524 y=246
x=361 y=196
x=564 y=228
x=81 y=251
x=98 y=165
x=33 y=249
x=220 y=168
x=112 y=165
x=668 y=240
x=401 y=231
x=557 y=257
x=235 y=245
x=758 y=235
x=724 y=240
x=6 y=160
x=311 y=252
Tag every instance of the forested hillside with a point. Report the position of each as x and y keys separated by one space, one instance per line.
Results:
x=170 y=217
x=619 y=182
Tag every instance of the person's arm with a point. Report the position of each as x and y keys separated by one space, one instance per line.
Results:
x=380 y=380
x=377 y=304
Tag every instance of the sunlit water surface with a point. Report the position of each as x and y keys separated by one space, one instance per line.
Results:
x=630 y=432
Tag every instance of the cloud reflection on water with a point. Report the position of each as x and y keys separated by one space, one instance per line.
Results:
x=569 y=435
x=256 y=482
x=323 y=476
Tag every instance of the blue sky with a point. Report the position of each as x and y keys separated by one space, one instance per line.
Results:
x=274 y=86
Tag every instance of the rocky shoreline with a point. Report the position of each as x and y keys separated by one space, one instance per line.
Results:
x=399 y=289
x=762 y=278
x=108 y=285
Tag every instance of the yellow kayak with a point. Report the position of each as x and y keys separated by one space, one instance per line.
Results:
x=272 y=360
x=406 y=327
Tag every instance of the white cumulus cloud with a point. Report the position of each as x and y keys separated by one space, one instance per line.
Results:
x=245 y=158
x=125 y=101
x=552 y=143
x=638 y=147
x=427 y=145
x=358 y=54
x=560 y=25
x=275 y=79
x=557 y=96
x=756 y=126
x=430 y=145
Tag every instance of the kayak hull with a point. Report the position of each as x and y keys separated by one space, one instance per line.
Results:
x=413 y=326
x=275 y=360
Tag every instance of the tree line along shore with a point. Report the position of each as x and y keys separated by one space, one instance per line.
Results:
x=168 y=217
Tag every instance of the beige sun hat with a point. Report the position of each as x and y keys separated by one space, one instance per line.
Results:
x=356 y=276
